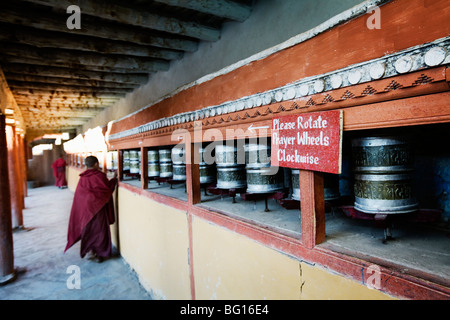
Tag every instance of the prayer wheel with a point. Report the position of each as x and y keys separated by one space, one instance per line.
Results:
x=264 y=179
x=178 y=155
x=383 y=175
x=207 y=171
x=295 y=177
x=384 y=193
x=153 y=163
x=126 y=161
x=179 y=172
x=257 y=155
x=381 y=155
x=153 y=156
x=165 y=169
x=231 y=177
x=134 y=166
x=228 y=156
x=165 y=163
x=165 y=155
x=330 y=181
x=230 y=174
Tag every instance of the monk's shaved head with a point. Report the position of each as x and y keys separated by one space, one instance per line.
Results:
x=90 y=162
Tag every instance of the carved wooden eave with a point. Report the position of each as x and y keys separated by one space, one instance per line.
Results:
x=414 y=72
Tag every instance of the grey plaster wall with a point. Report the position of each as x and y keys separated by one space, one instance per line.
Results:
x=271 y=23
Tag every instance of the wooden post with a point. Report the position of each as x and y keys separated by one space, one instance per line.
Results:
x=193 y=173
x=7 y=272
x=120 y=165
x=16 y=203
x=144 y=168
x=312 y=208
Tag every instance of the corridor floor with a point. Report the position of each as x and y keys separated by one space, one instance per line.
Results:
x=45 y=272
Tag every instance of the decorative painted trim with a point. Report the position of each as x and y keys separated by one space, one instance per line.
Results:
x=406 y=61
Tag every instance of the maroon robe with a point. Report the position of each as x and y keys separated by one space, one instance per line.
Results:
x=92 y=213
x=59 y=172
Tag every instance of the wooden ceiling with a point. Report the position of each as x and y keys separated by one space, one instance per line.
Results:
x=62 y=77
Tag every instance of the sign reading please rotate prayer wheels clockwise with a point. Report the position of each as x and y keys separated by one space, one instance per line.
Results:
x=309 y=141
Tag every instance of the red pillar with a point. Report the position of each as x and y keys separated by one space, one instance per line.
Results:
x=14 y=180
x=7 y=272
x=312 y=208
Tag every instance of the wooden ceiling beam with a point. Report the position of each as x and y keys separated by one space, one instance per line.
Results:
x=60 y=87
x=220 y=8
x=66 y=95
x=68 y=73
x=59 y=40
x=92 y=27
x=131 y=16
x=73 y=58
x=6 y=59
x=65 y=81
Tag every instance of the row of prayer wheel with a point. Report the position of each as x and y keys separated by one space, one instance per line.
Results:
x=383 y=168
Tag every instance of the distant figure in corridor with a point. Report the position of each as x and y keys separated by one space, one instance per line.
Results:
x=92 y=212
x=59 y=172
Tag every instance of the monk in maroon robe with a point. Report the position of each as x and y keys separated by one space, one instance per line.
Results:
x=59 y=172
x=92 y=212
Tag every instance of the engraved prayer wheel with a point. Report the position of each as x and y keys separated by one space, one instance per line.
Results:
x=381 y=155
x=126 y=161
x=207 y=171
x=134 y=166
x=153 y=163
x=134 y=155
x=383 y=175
x=295 y=178
x=264 y=179
x=153 y=169
x=165 y=155
x=152 y=156
x=228 y=156
x=330 y=181
x=231 y=177
x=384 y=193
x=257 y=155
x=230 y=174
x=165 y=169
x=179 y=172
x=178 y=155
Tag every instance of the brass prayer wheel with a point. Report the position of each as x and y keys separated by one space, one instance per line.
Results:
x=383 y=175
x=381 y=155
x=384 y=193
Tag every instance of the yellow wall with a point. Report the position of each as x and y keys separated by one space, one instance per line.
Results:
x=230 y=266
x=154 y=241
